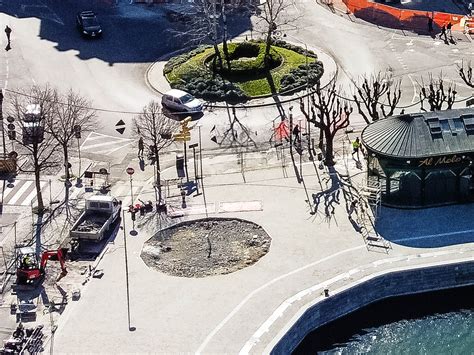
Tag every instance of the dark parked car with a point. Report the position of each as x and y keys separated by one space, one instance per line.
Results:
x=88 y=24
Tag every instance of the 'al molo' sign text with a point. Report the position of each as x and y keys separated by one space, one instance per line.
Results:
x=448 y=159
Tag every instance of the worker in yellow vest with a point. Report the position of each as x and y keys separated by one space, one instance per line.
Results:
x=355 y=147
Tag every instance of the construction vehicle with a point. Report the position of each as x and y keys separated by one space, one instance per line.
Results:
x=30 y=272
x=100 y=213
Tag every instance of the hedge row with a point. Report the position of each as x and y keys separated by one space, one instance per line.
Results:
x=247 y=58
x=301 y=77
x=300 y=50
x=212 y=89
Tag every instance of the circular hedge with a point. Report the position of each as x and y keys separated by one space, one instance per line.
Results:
x=288 y=70
x=246 y=58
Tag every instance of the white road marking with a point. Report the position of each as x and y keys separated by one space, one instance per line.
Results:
x=269 y=283
x=415 y=94
x=32 y=194
x=7 y=192
x=20 y=192
x=265 y=327
x=114 y=143
x=122 y=146
x=92 y=146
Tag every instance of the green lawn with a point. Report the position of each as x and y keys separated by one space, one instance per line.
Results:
x=249 y=84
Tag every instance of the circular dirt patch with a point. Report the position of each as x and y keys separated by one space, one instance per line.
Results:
x=206 y=247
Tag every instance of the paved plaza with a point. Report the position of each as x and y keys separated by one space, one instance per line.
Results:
x=305 y=208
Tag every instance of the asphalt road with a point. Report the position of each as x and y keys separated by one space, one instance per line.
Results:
x=47 y=48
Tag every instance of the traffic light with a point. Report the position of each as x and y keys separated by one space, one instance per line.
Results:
x=11 y=128
x=33 y=130
x=77 y=131
x=11 y=131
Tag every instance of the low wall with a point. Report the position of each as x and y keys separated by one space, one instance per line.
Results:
x=388 y=285
x=393 y=17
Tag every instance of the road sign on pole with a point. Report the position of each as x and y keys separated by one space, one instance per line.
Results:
x=182 y=137
x=120 y=126
x=130 y=171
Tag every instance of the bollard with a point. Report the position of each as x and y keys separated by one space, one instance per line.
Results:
x=183 y=198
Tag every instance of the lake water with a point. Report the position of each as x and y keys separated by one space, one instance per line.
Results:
x=430 y=323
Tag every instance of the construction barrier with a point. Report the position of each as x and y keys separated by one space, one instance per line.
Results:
x=468 y=25
x=393 y=17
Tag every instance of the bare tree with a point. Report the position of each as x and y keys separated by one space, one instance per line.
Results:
x=275 y=14
x=465 y=72
x=330 y=114
x=31 y=109
x=156 y=130
x=72 y=110
x=436 y=93
x=371 y=91
x=202 y=26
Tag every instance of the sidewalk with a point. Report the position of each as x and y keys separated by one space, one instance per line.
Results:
x=206 y=314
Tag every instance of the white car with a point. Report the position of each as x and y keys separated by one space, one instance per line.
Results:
x=180 y=100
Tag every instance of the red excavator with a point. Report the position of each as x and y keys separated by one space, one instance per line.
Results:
x=30 y=272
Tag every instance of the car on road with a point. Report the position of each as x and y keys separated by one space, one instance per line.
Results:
x=179 y=100
x=88 y=24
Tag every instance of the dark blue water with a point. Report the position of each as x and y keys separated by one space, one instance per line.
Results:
x=429 y=323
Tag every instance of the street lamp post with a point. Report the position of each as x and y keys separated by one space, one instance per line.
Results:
x=130 y=172
x=130 y=328
x=200 y=151
x=1 y=123
x=193 y=147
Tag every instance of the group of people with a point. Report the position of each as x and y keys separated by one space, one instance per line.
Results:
x=445 y=29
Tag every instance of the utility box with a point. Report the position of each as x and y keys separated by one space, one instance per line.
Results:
x=180 y=165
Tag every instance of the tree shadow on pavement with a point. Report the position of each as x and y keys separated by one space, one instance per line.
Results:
x=132 y=33
x=329 y=198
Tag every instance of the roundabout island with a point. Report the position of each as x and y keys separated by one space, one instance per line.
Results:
x=243 y=70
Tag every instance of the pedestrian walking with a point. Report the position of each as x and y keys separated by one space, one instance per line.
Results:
x=430 y=24
x=140 y=147
x=8 y=32
x=296 y=134
x=443 y=32
x=356 y=147
x=448 y=29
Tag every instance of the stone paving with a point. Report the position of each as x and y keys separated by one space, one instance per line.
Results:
x=207 y=315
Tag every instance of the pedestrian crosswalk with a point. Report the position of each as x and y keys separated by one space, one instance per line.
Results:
x=99 y=143
x=21 y=192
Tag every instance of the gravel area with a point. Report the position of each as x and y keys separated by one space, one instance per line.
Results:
x=206 y=247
